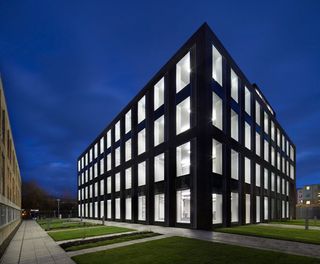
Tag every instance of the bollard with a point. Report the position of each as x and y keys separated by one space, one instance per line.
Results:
x=306 y=227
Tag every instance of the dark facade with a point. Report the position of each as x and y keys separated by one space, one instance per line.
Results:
x=199 y=146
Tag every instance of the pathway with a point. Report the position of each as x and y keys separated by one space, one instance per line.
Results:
x=31 y=244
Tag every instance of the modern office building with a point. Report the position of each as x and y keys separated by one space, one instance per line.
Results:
x=199 y=146
x=10 y=179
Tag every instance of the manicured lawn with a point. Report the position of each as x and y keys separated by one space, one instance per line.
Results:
x=291 y=234
x=123 y=238
x=52 y=224
x=189 y=251
x=298 y=222
x=87 y=232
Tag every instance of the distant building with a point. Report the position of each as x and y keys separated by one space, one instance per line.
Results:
x=309 y=195
x=199 y=146
x=10 y=179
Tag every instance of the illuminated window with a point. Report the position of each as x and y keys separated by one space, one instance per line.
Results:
x=117 y=207
x=247 y=170
x=159 y=168
x=217 y=111
x=128 y=178
x=247 y=139
x=183 y=116
x=117 y=182
x=216 y=157
x=234 y=207
x=128 y=209
x=216 y=65
x=159 y=131
x=183 y=206
x=248 y=202
x=117 y=131
x=234 y=86
x=216 y=208
x=183 y=159
x=101 y=145
x=128 y=122
x=247 y=98
x=234 y=164
x=258 y=113
x=258 y=144
x=183 y=70
x=159 y=203
x=258 y=175
x=142 y=173
x=141 y=109
x=234 y=125
x=128 y=149
x=159 y=94
x=117 y=157
x=142 y=141
x=141 y=208
x=109 y=139
x=307 y=202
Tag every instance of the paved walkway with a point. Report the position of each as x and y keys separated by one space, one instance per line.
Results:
x=291 y=226
x=31 y=244
x=94 y=237
x=117 y=245
x=295 y=248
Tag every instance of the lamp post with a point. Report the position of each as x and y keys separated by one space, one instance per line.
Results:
x=58 y=200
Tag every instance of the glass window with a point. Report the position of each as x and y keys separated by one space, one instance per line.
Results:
x=234 y=207
x=101 y=145
x=266 y=208
x=266 y=123
x=248 y=208
x=117 y=157
x=258 y=219
x=258 y=175
x=141 y=208
x=183 y=159
x=183 y=206
x=273 y=183
x=101 y=166
x=272 y=130
x=128 y=209
x=109 y=139
x=159 y=212
x=128 y=122
x=96 y=170
x=216 y=65
x=117 y=200
x=142 y=141
x=128 y=149
x=142 y=173
x=128 y=178
x=117 y=131
x=247 y=139
x=159 y=168
x=273 y=157
x=217 y=111
x=108 y=162
x=234 y=86
x=109 y=184
x=216 y=208
x=247 y=99
x=278 y=184
x=183 y=70
x=258 y=113
x=266 y=150
x=234 y=125
x=101 y=209
x=258 y=144
x=183 y=116
x=278 y=137
x=117 y=182
x=141 y=109
x=216 y=157
x=247 y=170
x=95 y=151
x=108 y=209
x=96 y=189
x=159 y=94
x=159 y=131
x=102 y=187
x=266 y=179
x=234 y=164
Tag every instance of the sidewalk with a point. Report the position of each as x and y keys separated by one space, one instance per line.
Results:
x=31 y=244
x=289 y=247
x=291 y=226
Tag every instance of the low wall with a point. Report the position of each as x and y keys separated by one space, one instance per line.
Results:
x=308 y=212
x=6 y=234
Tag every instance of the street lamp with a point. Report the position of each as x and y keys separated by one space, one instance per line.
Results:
x=58 y=200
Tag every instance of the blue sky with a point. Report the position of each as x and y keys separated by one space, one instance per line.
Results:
x=68 y=67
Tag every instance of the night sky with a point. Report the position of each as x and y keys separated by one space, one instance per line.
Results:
x=68 y=67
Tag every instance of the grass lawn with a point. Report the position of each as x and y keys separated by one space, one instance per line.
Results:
x=62 y=224
x=87 y=232
x=188 y=251
x=292 y=234
x=115 y=240
x=298 y=222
